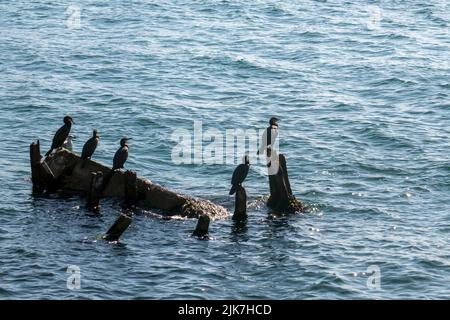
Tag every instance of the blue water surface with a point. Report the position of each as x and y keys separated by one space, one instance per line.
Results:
x=363 y=92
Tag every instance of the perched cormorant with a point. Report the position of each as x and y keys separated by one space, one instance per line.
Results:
x=121 y=155
x=119 y=160
x=89 y=147
x=68 y=143
x=239 y=174
x=61 y=135
x=270 y=135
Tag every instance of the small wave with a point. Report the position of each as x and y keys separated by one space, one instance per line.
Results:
x=383 y=169
x=378 y=135
x=369 y=212
x=249 y=63
x=391 y=81
x=330 y=285
x=312 y=34
x=277 y=10
x=398 y=36
x=5 y=293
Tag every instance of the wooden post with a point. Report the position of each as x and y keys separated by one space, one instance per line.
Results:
x=130 y=190
x=201 y=230
x=240 y=208
x=281 y=197
x=283 y=166
x=118 y=228
x=36 y=168
x=95 y=192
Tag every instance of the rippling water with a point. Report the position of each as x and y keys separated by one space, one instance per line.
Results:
x=363 y=91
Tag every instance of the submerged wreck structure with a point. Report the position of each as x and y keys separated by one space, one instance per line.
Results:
x=65 y=170
x=62 y=170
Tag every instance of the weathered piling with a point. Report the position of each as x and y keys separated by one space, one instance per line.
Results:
x=118 y=228
x=95 y=192
x=281 y=197
x=36 y=168
x=202 y=228
x=240 y=207
x=287 y=184
x=131 y=195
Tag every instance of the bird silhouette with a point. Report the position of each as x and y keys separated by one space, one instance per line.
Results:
x=61 y=135
x=89 y=147
x=121 y=155
x=269 y=136
x=239 y=174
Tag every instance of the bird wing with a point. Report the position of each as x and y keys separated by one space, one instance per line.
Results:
x=89 y=148
x=85 y=152
x=273 y=136
x=116 y=158
x=120 y=157
x=239 y=174
x=60 y=136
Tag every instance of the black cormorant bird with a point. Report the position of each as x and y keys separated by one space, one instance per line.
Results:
x=119 y=160
x=239 y=174
x=89 y=147
x=270 y=135
x=61 y=135
x=121 y=155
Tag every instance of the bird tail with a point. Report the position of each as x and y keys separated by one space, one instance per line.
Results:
x=233 y=189
x=48 y=152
